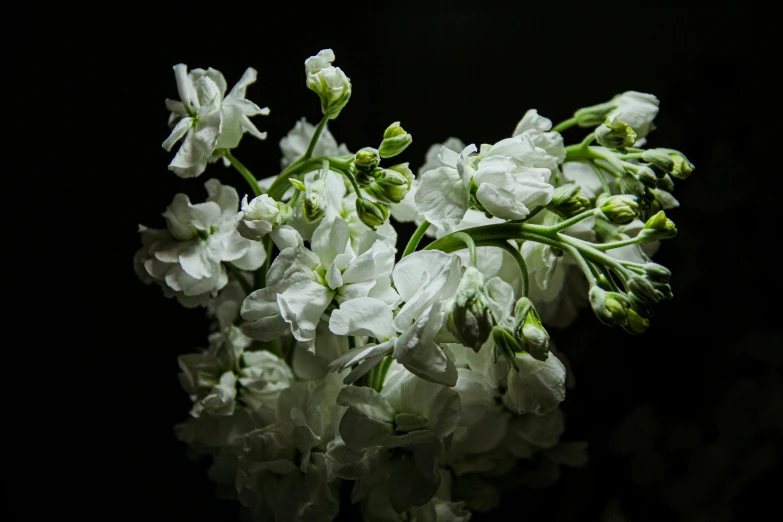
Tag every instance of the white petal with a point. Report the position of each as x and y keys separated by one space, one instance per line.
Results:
x=363 y=316
x=330 y=239
x=178 y=132
x=442 y=198
x=301 y=305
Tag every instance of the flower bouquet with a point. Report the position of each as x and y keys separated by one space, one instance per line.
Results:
x=418 y=376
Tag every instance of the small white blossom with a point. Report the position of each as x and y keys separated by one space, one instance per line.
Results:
x=207 y=118
x=187 y=259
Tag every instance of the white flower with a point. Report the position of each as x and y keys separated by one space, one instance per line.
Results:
x=425 y=280
x=295 y=143
x=636 y=109
x=328 y=82
x=410 y=415
x=432 y=159
x=263 y=376
x=510 y=177
x=207 y=118
x=259 y=217
x=187 y=259
x=282 y=467
x=536 y=127
x=538 y=387
x=302 y=282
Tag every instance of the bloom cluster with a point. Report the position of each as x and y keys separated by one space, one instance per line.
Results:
x=423 y=379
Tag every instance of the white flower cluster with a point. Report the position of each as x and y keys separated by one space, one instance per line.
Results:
x=418 y=377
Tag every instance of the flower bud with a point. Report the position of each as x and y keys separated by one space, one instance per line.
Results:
x=395 y=140
x=392 y=184
x=641 y=307
x=315 y=200
x=615 y=134
x=507 y=344
x=682 y=167
x=644 y=290
x=260 y=216
x=371 y=213
x=529 y=333
x=659 y=158
x=620 y=209
x=635 y=323
x=647 y=177
x=666 y=183
x=366 y=160
x=470 y=320
x=328 y=82
x=658 y=227
x=594 y=115
x=611 y=308
x=569 y=200
x=629 y=184
x=657 y=273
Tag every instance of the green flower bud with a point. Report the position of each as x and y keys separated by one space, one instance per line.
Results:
x=658 y=227
x=569 y=201
x=506 y=344
x=594 y=115
x=529 y=333
x=620 y=209
x=647 y=177
x=395 y=140
x=392 y=184
x=643 y=308
x=682 y=167
x=315 y=200
x=366 y=160
x=635 y=323
x=629 y=184
x=611 y=308
x=470 y=320
x=615 y=134
x=659 y=158
x=666 y=183
x=298 y=185
x=371 y=213
x=644 y=290
x=657 y=273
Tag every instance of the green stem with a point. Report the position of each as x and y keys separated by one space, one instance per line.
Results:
x=239 y=277
x=465 y=238
x=565 y=224
x=260 y=274
x=563 y=125
x=600 y=175
x=517 y=255
x=281 y=185
x=617 y=244
x=314 y=139
x=382 y=370
x=252 y=181
x=416 y=238
x=355 y=185
x=580 y=260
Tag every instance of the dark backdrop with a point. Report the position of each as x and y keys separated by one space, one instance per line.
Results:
x=701 y=387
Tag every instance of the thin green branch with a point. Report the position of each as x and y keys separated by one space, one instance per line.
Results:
x=314 y=139
x=517 y=255
x=416 y=238
x=566 y=124
x=251 y=180
x=600 y=175
x=246 y=286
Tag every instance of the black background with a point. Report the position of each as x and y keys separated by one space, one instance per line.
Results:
x=99 y=396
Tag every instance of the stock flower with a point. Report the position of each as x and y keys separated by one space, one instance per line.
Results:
x=637 y=109
x=328 y=82
x=207 y=118
x=411 y=416
x=187 y=258
x=509 y=178
x=425 y=281
x=302 y=282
